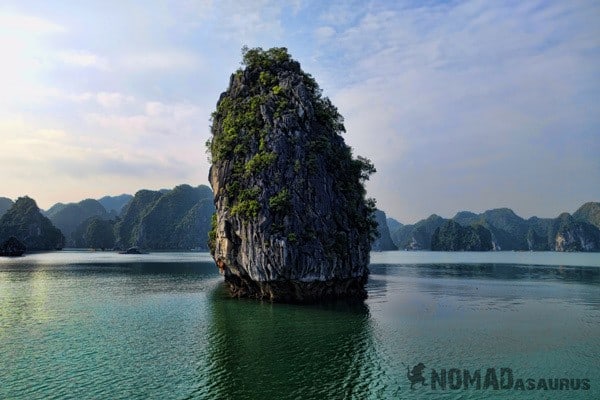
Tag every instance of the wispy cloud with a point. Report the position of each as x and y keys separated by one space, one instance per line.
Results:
x=30 y=24
x=163 y=60
x=324 y=32
x=177 y=120
x=113 y=99
x=83 y=58
x=425 y=88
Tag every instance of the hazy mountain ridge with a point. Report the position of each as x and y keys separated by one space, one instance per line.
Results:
x=189 y=228
x=577 y=232
x=68 y=217
x=452 y=236
x=115 y=203
x=417 y=236
x=166 y=220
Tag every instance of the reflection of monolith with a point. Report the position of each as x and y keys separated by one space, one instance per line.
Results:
x=273 y=351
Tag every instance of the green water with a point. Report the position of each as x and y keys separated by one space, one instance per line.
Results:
x=76 y=325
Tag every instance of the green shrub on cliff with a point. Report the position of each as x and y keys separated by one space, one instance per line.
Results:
x=454 y=237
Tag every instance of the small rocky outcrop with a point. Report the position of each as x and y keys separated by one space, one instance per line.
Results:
x=12 y=247
x=292 y=222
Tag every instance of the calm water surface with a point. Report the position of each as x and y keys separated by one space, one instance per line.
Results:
x=81 y=325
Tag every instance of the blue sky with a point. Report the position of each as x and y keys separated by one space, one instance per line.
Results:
x=461 y=105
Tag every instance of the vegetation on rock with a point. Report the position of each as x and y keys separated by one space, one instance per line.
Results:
x=454 y=237
x=589 y=212
x=417 y=236
x=166 y=220
x=68 y=217
x=100 y=234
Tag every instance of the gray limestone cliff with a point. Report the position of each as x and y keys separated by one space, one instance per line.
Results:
x=384 y=240
x=575 y=235
x=292 y=222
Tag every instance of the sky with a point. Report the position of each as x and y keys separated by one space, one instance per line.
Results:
x=461 y=105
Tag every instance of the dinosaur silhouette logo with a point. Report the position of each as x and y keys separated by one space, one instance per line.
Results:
x=416 y=375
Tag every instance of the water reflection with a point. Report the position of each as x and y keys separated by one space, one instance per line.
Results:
x=263 y=350
x=587 y=275
x=484 y=286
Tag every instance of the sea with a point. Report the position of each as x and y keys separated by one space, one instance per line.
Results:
x=497 y=325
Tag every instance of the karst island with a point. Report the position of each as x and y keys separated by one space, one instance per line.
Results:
x=292 y=221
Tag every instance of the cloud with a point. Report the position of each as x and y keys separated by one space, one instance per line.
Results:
x=154 y=118
x=113 y=99
x=20 y=23
x=324 y=32
x=249 y=22
x=38 y=160
x=470 y=95
x=162 y=60
x=82 y=58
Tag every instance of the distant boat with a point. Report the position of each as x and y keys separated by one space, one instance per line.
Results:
x=132 y=250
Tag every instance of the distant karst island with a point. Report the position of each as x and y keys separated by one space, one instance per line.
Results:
x=502 y=229
x=168 y=219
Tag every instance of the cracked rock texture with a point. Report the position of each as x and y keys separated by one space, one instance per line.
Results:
x=292 y=222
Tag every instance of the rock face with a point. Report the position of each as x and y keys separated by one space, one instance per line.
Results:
x=454 y=237
x=384 y=241
x=115 y=203
x=292 y=222
x=68 y=217
x=25 y=222
x=417 y=236
x=393 y=225
x=572 y=235
x=589 y=212
x=5 y=205
x=578 y=237
x=167 y=219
